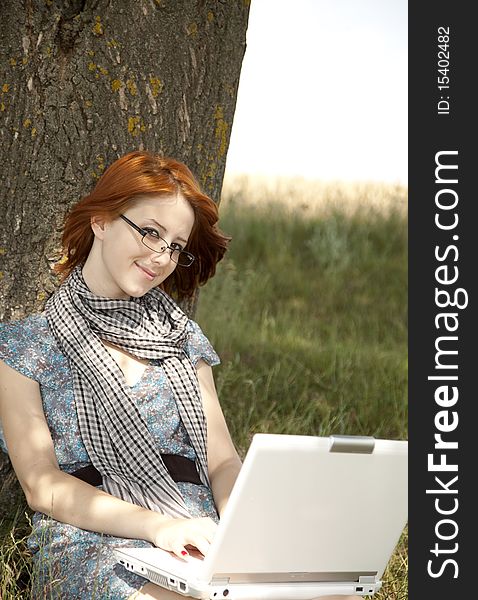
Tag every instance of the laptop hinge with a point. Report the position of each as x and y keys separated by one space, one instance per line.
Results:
x=367 y=579
x=352 y=443
x=220 y=580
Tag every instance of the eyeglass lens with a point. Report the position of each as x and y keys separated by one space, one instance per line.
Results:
x=157 y=244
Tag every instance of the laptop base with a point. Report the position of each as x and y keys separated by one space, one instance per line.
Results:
x=220 y=590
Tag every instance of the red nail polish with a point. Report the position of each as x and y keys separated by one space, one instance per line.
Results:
x=184 y=553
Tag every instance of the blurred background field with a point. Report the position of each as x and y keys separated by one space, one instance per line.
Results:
x=308 y=312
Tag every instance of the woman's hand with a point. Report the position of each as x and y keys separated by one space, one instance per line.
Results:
x=175 y=534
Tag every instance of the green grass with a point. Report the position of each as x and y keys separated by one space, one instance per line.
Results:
x=15 y=567
x=309 y=314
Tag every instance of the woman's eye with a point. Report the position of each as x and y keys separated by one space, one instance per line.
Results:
x=177 y=247
x=151 y=232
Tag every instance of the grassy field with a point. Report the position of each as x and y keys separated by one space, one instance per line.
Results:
x=309 y=314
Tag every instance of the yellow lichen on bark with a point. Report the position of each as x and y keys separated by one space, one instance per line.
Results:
x=133 y=90
x=27 y=123
x=99 y=70
x=211 y=166
x=98 y=27
x=101 y=163
x=209 y=173
x=136 y=125
x=221 y=131
x=192 y=29
x=156 y=85
x=116 y=84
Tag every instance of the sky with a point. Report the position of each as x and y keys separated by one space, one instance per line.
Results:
x=323 y=91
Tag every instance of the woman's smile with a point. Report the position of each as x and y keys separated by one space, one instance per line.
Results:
x=148 y=273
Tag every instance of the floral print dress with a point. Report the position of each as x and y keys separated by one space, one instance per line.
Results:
x=71 y=563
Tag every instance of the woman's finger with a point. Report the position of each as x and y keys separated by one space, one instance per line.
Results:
x=202 y=544
x=179 y=550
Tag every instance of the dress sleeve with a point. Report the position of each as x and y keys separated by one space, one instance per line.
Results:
x=28 y=346
x=18 y=351
x=20 y=348
x=198 y=346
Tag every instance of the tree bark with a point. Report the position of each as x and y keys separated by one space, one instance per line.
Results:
x=82 y=82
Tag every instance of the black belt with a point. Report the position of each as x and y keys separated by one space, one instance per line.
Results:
x=180 y=468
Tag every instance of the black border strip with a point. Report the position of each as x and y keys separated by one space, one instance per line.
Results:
x=439 y=565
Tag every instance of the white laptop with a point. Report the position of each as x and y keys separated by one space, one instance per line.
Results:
x=308 y=516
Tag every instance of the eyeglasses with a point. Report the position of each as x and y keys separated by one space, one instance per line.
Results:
x=152 y=240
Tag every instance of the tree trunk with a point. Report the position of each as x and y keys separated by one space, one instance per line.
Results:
x=82 y=82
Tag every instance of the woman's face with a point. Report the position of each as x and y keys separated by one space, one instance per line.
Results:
x=119 y=264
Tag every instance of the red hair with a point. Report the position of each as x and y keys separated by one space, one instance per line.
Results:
x=139 y=174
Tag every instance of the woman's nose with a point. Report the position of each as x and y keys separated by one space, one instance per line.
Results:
x=163 y=258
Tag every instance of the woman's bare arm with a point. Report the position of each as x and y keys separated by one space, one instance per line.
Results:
x=223 y=461
x=68 y=499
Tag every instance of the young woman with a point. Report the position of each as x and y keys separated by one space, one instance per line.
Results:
x=107 y=401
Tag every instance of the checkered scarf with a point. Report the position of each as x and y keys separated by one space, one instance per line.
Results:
x=115 y=434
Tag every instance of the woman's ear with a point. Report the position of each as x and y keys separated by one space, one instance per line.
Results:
x=98 y=226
